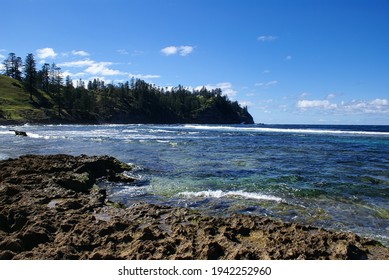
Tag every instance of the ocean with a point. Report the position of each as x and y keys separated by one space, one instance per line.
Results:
x=335 y=177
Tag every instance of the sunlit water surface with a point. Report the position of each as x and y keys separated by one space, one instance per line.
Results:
x=336 y=177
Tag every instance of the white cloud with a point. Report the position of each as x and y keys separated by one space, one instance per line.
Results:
x=73 y=75
x=78 y=63
x=380 y=106
x=267 y=84
x=331 y=96
x=226 y=88
x=266 y=38
x=80 y=53
x=143 y=77
x=323 y=104
x=181 y=50
x=2 y=56
x=137 y=53
x=46 y=53
x=379 y=102
x=101 y=68
x=376 y=106
x=122 y=51
x=185 y=50
x=169 y=50
x=303 y=95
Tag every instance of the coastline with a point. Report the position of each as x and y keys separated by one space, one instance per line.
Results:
x=51 y=208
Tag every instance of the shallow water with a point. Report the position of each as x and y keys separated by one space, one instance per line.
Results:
x=331 y=176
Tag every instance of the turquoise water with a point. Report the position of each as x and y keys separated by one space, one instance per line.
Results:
x=336 y=177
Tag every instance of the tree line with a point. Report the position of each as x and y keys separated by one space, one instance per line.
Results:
x=134 y=100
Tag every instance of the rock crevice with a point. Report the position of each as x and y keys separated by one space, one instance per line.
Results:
x=51 y=208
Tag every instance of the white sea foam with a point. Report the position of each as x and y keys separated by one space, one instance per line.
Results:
x=3 y=156
x=284 y=130
x=46 y=137
x=220 y=194
x=6 y=132
x=161 y=131
x=131 y=191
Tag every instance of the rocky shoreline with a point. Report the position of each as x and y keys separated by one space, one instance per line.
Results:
x=51 y=208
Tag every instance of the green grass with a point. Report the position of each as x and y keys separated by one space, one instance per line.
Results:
x=16 y=105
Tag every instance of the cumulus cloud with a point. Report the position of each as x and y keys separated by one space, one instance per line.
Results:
x=46 y=53
x=376 y=106
x=379 y=102
x=169 y=50
x=74 y=75
x=185 y=50
x=80 y=53
x=101 y=68
x=267 y=38
x=180 y=50
x=373 y=106
x=323 y=104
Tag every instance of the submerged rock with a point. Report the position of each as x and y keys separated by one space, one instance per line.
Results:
x=51 y=208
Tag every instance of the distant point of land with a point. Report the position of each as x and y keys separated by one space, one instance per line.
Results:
x=130 y=102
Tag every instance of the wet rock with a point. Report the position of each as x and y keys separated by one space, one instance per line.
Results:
x=19 y=133
x=51 y=208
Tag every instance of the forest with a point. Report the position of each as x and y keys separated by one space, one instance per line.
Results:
x=134 y=101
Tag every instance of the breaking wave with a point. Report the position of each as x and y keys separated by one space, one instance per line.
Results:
x=232 y=194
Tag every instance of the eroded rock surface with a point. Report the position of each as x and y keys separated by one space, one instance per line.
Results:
x=51 y=208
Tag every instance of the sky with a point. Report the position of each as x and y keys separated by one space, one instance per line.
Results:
x=289 y=62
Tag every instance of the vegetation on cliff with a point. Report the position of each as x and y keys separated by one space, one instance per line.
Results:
x=45 y=97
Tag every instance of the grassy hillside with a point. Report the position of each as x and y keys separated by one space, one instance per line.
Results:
x=138 y=103
x=17 y=107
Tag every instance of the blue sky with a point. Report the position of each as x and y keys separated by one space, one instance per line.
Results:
x=301 y=61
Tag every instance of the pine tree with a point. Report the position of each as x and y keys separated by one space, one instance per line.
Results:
x=56 y=80
x=43 y=77
x=12 y=66
x=30 y=73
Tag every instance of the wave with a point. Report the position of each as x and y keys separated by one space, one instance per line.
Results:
x=46 y=137
x=6 y=132
x=131 y=191
x=220 y=194
x=286 y=130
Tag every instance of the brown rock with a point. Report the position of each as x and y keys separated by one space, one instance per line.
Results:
x=50 y=208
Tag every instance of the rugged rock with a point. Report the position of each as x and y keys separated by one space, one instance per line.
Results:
x=51 y=208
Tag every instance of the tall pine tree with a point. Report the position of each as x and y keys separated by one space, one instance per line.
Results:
x=12 y=66
x=30 y=73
